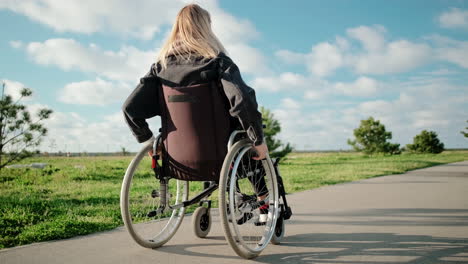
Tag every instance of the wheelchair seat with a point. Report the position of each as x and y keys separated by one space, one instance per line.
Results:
x=195 y=130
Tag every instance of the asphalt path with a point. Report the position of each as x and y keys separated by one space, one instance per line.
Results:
x=417 y=217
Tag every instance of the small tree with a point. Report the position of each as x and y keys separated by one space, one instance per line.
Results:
x=371 y=137
x=463 y=132
x=18 y=132
x=272 y=128
x=124 y=151
x=426 y=142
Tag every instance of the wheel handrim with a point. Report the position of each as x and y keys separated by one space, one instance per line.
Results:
x=138 y=198
x=258 y=241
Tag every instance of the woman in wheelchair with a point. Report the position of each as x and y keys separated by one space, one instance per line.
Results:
x=211 y=131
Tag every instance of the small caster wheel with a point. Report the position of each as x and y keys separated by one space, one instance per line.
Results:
x=201 y=221
x=279 y=231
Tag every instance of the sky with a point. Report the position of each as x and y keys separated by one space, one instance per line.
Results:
x=319 y=66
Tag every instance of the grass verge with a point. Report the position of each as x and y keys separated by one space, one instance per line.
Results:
x=77 y=196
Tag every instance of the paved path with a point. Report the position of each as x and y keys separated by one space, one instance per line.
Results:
x=417 y=217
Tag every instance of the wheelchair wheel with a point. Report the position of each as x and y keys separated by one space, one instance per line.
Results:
x=248 y=224
x=140 y=197
x=201 y=222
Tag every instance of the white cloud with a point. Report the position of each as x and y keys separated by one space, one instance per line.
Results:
x=98 y=92
x=315 y=88
x=71 y=131
x=428 y=118
x=236 y=35
x=373 y=54
x=16 y=44
x=290 y=103
x=436 y=105
x=364 y=50
x=290 y=57
x=382 y=57
x=284 y=81
x=454 y=18
x=457 y=56
x=250 y=60
x=363 y=86
x=75 y=133
x=310 y=86
x=451 y=50
x=372 y=38
x=126 y=64
x=398 y=56
x=342 y=43
x=324 y=59
x=228 y=28
x=313 y=94
x=129 y=63
x=441 y=72
x=116 y=70
x=267 y=84
x=320 y=130
x=139 y=19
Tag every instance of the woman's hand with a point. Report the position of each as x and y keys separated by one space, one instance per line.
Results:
x=261 y=150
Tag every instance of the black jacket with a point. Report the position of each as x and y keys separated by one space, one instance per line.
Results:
x=143 y=101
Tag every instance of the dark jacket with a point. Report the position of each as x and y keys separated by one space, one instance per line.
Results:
x=143 y=101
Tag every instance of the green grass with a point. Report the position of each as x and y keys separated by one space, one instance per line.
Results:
x=303 y=171
x=77 y=196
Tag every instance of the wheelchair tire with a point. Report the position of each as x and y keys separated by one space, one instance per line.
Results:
x=279 y=232
x=201 y=222
x=139 y=198
x=239 y=209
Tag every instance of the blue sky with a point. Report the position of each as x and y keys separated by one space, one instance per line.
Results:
x=320 y=66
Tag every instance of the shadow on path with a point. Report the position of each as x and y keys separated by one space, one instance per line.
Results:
x=379 y=248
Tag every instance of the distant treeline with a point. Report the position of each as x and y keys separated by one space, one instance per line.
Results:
x=94 y=154
x=82 y=154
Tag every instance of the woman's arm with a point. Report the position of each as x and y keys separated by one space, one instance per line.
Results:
x=142 y=104
x=243 y=103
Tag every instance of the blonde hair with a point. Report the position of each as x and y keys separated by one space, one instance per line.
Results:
x=191 y=34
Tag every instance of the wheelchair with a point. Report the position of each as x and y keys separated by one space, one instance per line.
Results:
x=153 y=204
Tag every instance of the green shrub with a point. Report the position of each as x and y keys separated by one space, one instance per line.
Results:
x=371 y=137
x=426 y=142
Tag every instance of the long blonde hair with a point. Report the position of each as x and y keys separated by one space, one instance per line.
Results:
x=191 y=35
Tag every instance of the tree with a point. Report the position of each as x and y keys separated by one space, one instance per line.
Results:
x=463 y=132
x=124 y=151
x=18 y=132
x=272 y=128
x=426 y=142
x=371 y=137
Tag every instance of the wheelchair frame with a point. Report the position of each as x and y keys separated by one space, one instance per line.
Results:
x=209 y=187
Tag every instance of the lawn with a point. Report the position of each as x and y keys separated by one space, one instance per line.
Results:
x=80 y=195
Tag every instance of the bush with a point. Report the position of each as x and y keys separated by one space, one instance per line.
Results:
x=371 y=137
x=426 y=142
x=465 y=134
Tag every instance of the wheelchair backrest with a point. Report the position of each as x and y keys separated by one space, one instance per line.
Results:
x=195 y=130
